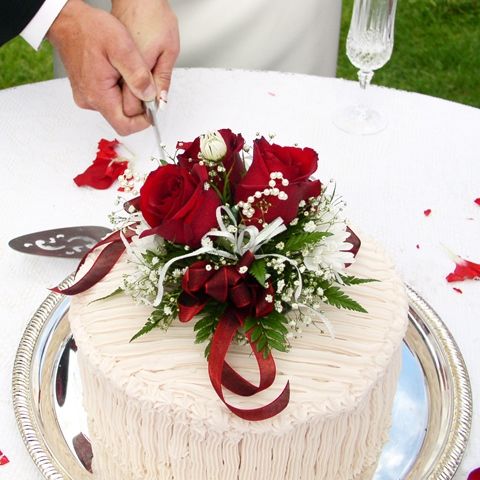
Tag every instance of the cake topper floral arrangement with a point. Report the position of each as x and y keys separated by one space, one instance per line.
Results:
x=249 y=248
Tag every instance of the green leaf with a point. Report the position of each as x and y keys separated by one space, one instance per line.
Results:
x=303 y=240
x=259 y=270
x=249 y=323
x=351 y=280
x=110 y=295
x=203 y=335
x=280 y=346
x=204 y=322
x=261 y=344
x=339 y=299
x=206 y=352
x=150 y=325
x=275 y=322
x=272 y=335
x=257 y=333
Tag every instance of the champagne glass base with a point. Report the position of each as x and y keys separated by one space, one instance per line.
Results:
x=360 y=120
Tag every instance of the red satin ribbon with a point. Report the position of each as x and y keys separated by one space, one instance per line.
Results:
x=245 y=297
x=105 y=261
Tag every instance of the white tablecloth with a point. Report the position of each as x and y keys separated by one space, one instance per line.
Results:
x=428 y=157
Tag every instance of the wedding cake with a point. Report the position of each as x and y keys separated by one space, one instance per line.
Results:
x=320 y=410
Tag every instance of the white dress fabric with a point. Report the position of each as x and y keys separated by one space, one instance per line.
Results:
x=278 y=35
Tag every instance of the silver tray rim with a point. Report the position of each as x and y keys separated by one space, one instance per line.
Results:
x=446 y=458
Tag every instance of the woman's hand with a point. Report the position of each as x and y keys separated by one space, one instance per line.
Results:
x=154 y=29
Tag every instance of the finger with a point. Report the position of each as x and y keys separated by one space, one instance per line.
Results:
x=162 y=73
x=110 y=106
x=131 y=104
x=127 y=59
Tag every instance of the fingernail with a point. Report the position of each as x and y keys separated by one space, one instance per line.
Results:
x=163 y=100
x=150 y=93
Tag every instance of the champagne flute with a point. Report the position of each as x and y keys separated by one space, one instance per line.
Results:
x=369 y=47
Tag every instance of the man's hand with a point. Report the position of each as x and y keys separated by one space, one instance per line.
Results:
x=154 y=28
x=98 y=52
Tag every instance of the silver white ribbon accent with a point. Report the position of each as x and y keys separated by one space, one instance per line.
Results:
x=238 y=241
x=321 y=317
x=241 y=245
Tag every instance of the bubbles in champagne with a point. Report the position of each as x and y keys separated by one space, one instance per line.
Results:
x=369 y=51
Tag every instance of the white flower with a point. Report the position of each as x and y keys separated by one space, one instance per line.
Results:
x=310 y=226
x=213 y=146
x=268 y=298
x=332 y=253
x=243 y=270
x=139 y=246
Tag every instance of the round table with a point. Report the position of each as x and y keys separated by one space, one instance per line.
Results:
x=427 y=158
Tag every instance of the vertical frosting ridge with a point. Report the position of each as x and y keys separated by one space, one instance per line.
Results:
x=165 y=420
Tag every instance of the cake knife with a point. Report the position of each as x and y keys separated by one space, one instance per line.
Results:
x=151 y=108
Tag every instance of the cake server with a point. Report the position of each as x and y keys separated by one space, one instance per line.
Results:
x=151 y=108
x=68 y=242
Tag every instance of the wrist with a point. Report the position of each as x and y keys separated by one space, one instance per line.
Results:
x=69 y=15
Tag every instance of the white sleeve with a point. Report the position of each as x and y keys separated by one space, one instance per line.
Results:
x=38 y=27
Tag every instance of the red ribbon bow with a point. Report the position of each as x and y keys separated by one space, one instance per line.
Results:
x=244 y=297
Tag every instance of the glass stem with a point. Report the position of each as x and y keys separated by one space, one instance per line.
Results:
x=365 y=78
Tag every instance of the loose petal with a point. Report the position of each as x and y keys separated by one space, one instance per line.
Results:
x=457 y=290
x=464 y=270
x=3 y=459
x=105 y=169
x=427 y=212
x=418 y=246
x=474 y=475
x=477 y=201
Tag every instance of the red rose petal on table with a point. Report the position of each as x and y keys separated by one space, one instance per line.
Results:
x=464 y=270
x=427 y=212
x=457 y=290
x=474 y=475
x=477 y=201
x=3 y=459
x=418 y=246
x=105 y=169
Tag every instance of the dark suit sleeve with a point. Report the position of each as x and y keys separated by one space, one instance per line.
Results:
x=15 y=16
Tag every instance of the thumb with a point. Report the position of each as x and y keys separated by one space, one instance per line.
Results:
x=126 y=58
x=162 y=72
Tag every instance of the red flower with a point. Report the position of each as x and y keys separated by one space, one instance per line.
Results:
x=231 y=160
x=296 y=166
x=427 y=212
x=477 y=201
x=105 y=169
x=178 y=204
x=464 y=270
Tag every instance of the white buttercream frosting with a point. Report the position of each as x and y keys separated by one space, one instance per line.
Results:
x=153 y=413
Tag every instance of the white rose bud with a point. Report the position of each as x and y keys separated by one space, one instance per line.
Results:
x=212 y=146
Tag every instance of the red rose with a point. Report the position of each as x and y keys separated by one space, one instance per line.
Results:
x=175 y=203
x=296 y=166
x=231 y=160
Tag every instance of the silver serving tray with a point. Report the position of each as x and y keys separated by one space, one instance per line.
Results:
x=431 y=414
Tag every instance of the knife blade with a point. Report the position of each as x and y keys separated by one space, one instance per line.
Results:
x=67 y=242
x=151 y=108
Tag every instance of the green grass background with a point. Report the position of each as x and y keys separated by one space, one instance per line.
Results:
x=437 y=52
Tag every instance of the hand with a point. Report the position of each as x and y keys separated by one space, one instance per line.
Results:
x=154 y=28
x=98 y=52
